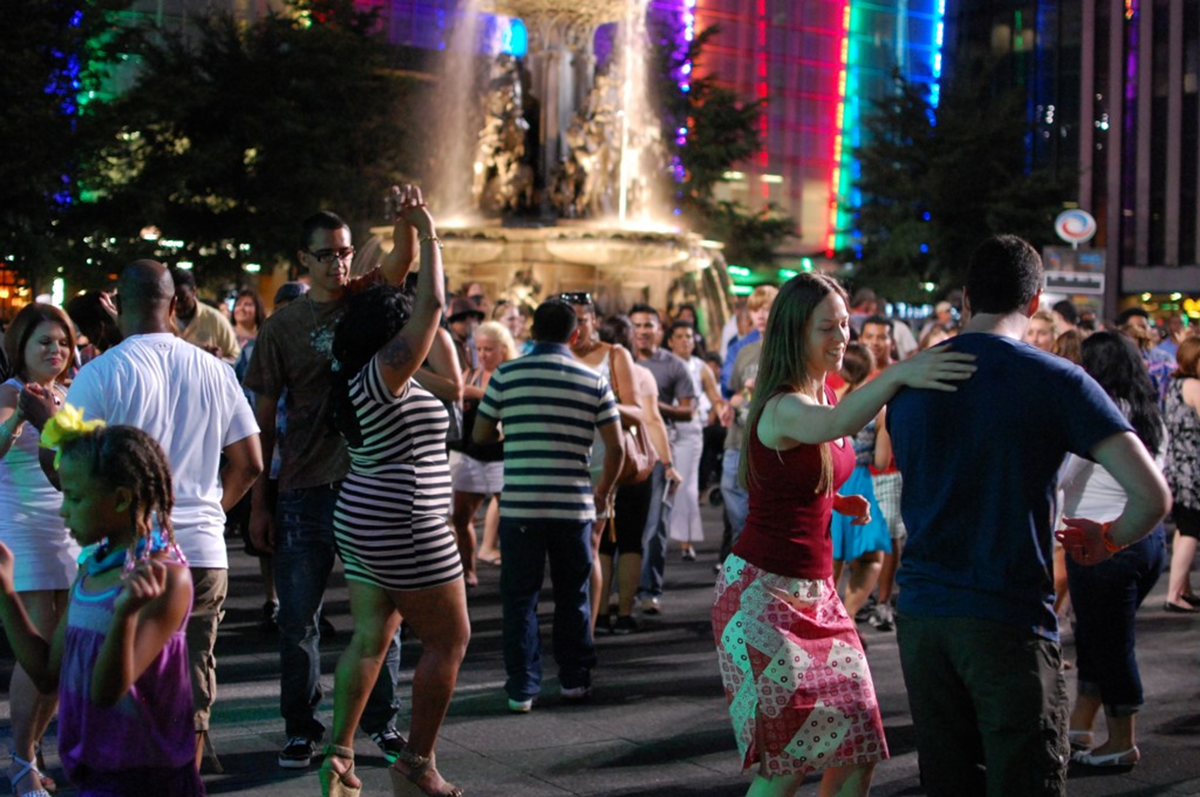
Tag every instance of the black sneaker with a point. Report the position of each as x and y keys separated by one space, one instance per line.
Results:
x=297 y=753
x=390 y=742
x=883 y=618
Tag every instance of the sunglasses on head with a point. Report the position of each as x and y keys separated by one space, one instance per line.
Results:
x=576 y=297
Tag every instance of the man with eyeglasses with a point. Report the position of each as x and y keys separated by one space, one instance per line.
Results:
x=292 y=357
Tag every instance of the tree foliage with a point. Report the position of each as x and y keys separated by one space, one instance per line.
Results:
x=935 y=183
x=56 y=61
x=722 y=131
x=236 y=132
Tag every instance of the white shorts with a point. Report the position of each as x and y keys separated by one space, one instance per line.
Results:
x=474 y=476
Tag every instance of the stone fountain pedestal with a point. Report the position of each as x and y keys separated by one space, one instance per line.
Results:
x=620 y=267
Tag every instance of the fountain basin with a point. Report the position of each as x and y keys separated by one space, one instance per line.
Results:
x=588 y=12
x=619 y=266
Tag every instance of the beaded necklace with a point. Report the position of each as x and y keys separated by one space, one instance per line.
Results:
x=106 y=557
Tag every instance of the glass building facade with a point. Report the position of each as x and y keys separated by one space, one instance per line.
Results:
x=1111 y=89
x=1141 y=140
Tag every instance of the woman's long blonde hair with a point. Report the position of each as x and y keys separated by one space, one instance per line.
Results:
x=783 y=362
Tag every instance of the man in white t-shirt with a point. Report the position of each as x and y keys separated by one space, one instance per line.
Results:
x=190 y=402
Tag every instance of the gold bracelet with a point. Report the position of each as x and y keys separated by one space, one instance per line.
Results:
x=432 y=238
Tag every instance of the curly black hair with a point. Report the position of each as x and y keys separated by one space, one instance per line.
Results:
x=1114 y=362
x=371 y=319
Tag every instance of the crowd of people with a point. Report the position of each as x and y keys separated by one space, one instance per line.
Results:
x=418 y=435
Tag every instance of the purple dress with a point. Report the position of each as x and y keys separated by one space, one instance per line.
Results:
x=145 y=744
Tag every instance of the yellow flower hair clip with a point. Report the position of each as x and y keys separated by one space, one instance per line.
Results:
x=66 y=425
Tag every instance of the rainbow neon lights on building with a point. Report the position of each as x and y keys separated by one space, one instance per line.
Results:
x=880 y=36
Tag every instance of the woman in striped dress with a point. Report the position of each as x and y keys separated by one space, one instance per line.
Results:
x=400 y=555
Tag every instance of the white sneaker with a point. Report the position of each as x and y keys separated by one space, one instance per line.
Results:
x=520 y=706
x=651 y=605
x=576 y=694
x=883 y=618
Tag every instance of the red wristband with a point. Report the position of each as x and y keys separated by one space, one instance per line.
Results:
x=1106 y=538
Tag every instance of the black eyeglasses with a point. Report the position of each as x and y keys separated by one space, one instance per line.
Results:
x=577 y=297
x=329 y=255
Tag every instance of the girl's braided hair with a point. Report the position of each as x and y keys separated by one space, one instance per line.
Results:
x=122 y=456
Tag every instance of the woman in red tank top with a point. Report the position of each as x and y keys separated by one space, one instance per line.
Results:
x=795 y=675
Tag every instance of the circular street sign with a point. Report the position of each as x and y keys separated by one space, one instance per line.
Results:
x=1075 y=226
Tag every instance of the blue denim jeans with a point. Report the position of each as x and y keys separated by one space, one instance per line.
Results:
x=737 y=500
x=1106 y=597
x=526 y=545
x=654 y=537
x=304 y=555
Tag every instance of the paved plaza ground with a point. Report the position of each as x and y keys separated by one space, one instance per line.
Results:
x=656 y=724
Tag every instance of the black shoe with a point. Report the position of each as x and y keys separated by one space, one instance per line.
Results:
x=1190 y=600
x=297 y=753
x=390 y=742
x=625 y=624
x=1177 y=609
x=270 y=615
x=577 y=694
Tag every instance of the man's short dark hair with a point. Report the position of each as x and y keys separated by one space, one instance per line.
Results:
x=553 y=322
x=1004 y=275
x=321 y=220
x=88 y=313
x=641 y=307
x=1129 y=312
x=1067 y=309
x=882 y=321
x=183 y=276
x=688 y=325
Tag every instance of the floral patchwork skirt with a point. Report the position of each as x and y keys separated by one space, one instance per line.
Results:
x=796 y=678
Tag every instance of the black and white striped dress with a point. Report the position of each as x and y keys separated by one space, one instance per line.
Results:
x=391 y=513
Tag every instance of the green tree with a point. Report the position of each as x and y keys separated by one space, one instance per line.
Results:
x=935 y=183
x=57 y=59
x=235 y=132
x=721 y=131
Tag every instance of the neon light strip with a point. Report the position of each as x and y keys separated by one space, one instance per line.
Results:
x=845 y=172
x=764 y=158
x=839 y=122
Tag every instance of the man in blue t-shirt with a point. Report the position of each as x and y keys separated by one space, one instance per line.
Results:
x=975 y=622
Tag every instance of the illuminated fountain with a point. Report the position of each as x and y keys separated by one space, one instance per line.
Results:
x=562 y=190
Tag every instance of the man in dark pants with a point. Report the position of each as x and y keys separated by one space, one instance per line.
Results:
x=292 y=358
x=676 y=402
x=976 y=625
x=550 y=405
